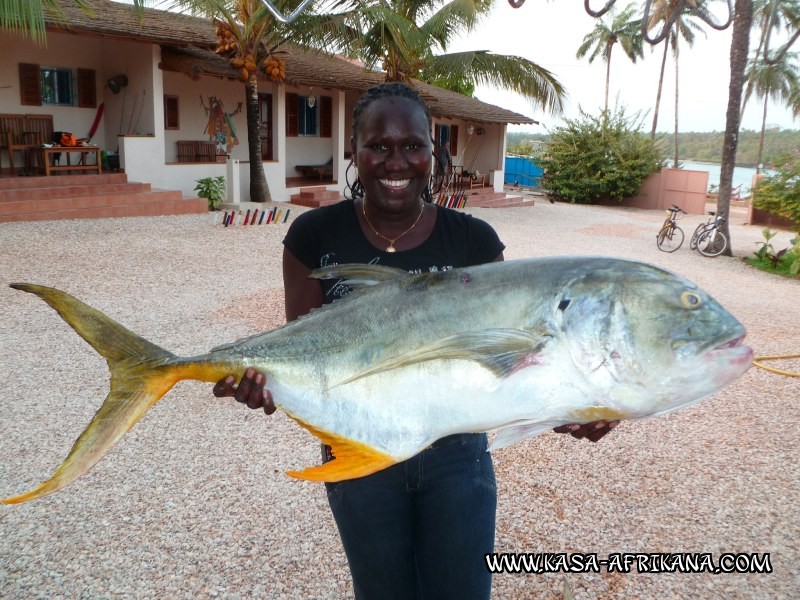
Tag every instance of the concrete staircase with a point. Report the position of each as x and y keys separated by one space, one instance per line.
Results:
x=476 y=197
x=488 y=198
x=316 y=196
x=88 y=197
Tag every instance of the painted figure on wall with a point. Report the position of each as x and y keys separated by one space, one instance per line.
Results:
x=220 y=128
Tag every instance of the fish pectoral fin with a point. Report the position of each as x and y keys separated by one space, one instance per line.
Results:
x=352 y=459
x=512 y=434
x=501 y=351
x=356 y=275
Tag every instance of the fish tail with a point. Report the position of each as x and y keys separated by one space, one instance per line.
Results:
x=141 y=373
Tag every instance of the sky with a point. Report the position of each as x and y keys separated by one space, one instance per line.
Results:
x=549 y=33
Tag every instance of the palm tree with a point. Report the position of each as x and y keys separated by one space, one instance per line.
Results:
x=624 y=30
x=683 y=27
x=740 y=43
x=771 y=16
x=409 y=40
x=250 y=37
x=776 y=81
x=793 y=101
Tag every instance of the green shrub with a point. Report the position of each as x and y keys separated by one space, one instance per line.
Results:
x=212 y=189
x=597 y=159
x=779 y=193
x=782 y=262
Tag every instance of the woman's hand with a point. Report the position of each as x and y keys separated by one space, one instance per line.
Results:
x=250 y=390
x=591 y=431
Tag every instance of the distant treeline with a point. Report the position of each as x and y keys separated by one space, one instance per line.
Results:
x=697 y=146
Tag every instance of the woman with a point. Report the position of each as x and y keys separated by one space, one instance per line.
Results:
x=420 y=528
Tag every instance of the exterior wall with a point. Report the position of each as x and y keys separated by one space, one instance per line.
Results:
x=67 y=51
x=133 y=119
x=193 y=105
x=681 y=187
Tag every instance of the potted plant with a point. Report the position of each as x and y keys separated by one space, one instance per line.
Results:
x=212 y=189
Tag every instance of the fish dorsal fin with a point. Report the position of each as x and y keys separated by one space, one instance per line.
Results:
x=353 y=459
x=357 y=276
x=502 y=351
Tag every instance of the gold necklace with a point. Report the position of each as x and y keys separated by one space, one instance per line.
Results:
x=390 y=247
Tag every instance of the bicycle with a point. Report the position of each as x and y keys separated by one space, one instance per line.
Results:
x=708 y=239
x=670 y=236
x=710 y=233
x=700 y=229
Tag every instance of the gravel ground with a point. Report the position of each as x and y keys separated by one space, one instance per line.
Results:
x=193 y=503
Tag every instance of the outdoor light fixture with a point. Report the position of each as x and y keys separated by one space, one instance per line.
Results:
x=311 y=100
x=470 y=130
x=116 y=83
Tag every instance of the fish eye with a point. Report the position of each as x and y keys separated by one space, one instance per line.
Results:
x=691 y=300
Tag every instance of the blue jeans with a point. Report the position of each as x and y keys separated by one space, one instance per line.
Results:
x=420 y=529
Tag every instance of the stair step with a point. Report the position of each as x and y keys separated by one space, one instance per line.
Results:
x=36 y=206
x=15 y=183
x=300 y=200
x=316 y=194
x=503 y=202
x=71 y=191
x=180 y=206
x=89 y=196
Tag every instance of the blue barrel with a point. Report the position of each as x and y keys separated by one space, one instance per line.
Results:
x=520 y=170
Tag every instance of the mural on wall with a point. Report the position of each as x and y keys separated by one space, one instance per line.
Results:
x=219 y=127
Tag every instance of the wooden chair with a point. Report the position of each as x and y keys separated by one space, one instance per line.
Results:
x=322 y=171
x=467 y=179
x=33 y=131
x=11 y=128
x=190 y=151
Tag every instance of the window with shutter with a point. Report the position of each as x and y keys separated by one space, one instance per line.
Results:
x=292 y=116
x=171 y=116
x=87 y=95
x=57 y=86
x=453 y=140
x=308 y=115
x=326 y=117
x=30 y=90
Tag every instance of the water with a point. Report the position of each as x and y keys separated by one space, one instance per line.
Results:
x=741 y=175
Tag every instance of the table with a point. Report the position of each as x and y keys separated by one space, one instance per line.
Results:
x=47 y=159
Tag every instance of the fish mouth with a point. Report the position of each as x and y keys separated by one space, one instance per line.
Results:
x=733 y=343
x=732 y=349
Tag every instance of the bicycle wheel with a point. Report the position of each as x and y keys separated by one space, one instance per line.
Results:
x=712 y=243
x=670 y=239
x=699 y=230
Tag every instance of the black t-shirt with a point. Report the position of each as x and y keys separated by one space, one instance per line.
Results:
x=331 y=236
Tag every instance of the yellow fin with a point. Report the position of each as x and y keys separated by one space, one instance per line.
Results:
x=141 y=373
x=596 y=413
x=353 y=459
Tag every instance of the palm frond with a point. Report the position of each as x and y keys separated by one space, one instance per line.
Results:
x=27 y=17
x=520 y=75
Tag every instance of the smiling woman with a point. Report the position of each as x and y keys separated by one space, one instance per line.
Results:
x=407 y=531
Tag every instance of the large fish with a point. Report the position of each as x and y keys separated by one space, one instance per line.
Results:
x=517 y=347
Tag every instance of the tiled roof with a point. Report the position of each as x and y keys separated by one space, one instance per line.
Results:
x=187 y=44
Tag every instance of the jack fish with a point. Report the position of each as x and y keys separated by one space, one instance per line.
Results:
x=516 y=348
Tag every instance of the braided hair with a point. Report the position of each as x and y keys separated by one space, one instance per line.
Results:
x=392 y=89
